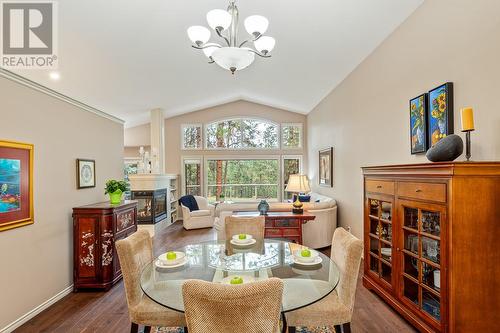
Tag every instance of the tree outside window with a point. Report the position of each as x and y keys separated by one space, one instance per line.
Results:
x=191 y=136
x=291 y=136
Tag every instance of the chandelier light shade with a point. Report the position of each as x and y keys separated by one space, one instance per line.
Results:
x=219 y=19
x=198 y=34
x=265 y=44
x=256 y=25
x=233 y=56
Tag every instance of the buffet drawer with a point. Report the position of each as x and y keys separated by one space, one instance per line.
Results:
x=380 y=186
x=270 y=232
x=423 y=191
x=287 y=223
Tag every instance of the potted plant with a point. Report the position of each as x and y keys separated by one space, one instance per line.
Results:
x=115 y=189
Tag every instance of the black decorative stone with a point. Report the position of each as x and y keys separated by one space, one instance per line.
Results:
x=446 y=150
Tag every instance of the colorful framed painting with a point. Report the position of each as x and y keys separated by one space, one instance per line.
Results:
x=16 y=184
x=85 y=173
x=440 y=117
x=326 y=167
x=418 y=124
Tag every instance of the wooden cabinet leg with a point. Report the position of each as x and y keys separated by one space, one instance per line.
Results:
x=134 y=328
x=338 y=329
x=346 y=328
x=147 y=329
x=291 y=329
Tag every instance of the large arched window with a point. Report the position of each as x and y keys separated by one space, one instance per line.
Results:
x=242 y=133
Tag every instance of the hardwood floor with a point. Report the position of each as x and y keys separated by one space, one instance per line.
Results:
x=107 y=311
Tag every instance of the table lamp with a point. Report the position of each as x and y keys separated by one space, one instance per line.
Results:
x=298 y=184
x=467 y=115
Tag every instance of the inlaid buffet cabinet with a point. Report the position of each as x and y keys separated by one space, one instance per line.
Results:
x=96 y=228
x=431 y=235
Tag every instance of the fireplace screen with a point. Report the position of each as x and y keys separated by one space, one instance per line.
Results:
x=151 y=207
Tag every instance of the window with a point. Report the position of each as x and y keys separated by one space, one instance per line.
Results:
x=243 y=179
x=291 y=165
x=291 y=136
x=191 y=176
x=191 y=136
x=245 y=133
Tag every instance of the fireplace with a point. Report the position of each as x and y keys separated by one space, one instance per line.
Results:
x=152 y=206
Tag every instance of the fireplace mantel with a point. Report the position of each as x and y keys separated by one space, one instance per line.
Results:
x=150 y=181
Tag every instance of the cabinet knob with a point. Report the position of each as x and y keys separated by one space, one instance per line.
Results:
x=418 y=190
x=397 y=248
x=379 y=186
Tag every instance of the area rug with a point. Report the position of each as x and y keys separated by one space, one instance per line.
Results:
x=299 y=330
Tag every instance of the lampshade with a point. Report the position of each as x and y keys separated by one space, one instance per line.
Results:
x=210 y=48
x=264 y=44
x=198 y=34
x=298 y=184
x=467 y=119
x=233 y=58
x=219 y=18
x=256 y=25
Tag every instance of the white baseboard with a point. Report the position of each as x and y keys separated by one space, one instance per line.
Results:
x=27 y=316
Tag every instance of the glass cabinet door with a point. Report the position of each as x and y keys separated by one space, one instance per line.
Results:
x=380 y=240
x=421 y=256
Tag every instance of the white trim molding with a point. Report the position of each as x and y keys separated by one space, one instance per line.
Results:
x=40 y=88
x=45 y=305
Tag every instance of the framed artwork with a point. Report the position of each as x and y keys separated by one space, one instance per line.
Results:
x=85 y=173
x=418 y=124
x=16 y=184
x=326 y=167
x=440 y=113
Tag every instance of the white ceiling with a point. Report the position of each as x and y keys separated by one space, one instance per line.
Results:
x=126 y=57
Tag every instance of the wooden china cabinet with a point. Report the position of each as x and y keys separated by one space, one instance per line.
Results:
x=431 y=233
x=96 y=228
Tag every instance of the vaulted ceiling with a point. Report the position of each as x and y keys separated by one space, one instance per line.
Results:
x=126 y=57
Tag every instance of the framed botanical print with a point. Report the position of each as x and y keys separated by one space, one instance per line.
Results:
x=16 y=184
x=85 y=173
x=418 y=124
x=326 y=167
x=440 y=112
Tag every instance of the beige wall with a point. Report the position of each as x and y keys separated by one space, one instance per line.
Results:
x=366 y=117
x=234 y=109
x=37 y=260
x=137 y=136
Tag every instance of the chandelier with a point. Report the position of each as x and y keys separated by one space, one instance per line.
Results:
x=232 y=55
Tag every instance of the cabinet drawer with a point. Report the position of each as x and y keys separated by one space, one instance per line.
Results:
x=380 y=186
x=273 y=232
x=423 y=191
x=291 y=232
x=287 y=223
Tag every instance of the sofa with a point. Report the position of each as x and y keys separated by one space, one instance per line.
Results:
x=202 y=218
x=315 y=234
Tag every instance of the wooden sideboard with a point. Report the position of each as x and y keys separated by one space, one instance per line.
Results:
x=96 y=227
x=431 y=234
x=283 y=224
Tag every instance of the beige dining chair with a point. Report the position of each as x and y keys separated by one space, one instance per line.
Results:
x=245 y=225
x=135 y=252
x=220 y=308
x=336 y=308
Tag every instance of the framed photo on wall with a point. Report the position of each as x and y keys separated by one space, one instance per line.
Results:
x=418 y=124
x=85 y=173
x=326 y=167
x=16 y=184
x=440 y=112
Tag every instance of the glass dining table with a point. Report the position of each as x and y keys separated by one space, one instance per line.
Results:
x=220 y=261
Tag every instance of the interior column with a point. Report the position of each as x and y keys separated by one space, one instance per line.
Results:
x=158 y=141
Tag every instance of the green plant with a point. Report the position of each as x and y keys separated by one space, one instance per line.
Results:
x=114 y=185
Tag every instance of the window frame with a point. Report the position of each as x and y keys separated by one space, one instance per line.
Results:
x=183 y=127
x=301 y=170
x=183 y=172
x=276 y=157
x=301 y=136
x=241 y=119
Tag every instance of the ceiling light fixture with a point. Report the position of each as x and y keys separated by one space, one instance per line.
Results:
x=234 y=56
x=54 y=76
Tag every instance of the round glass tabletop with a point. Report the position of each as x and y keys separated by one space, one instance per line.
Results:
x=217 y=261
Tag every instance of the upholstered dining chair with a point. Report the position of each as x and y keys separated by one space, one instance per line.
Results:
x=336 y=308
x=219 y=308
x=245 y=225
x=134 y=252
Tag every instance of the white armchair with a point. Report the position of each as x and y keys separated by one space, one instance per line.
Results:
x=202 y=218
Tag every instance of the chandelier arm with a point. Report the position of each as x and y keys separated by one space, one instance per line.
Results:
x=204 y=47
x=251 y=40
x=259 y=54
x=222 y=36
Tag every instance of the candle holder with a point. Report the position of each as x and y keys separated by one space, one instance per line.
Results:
x=467 y=145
